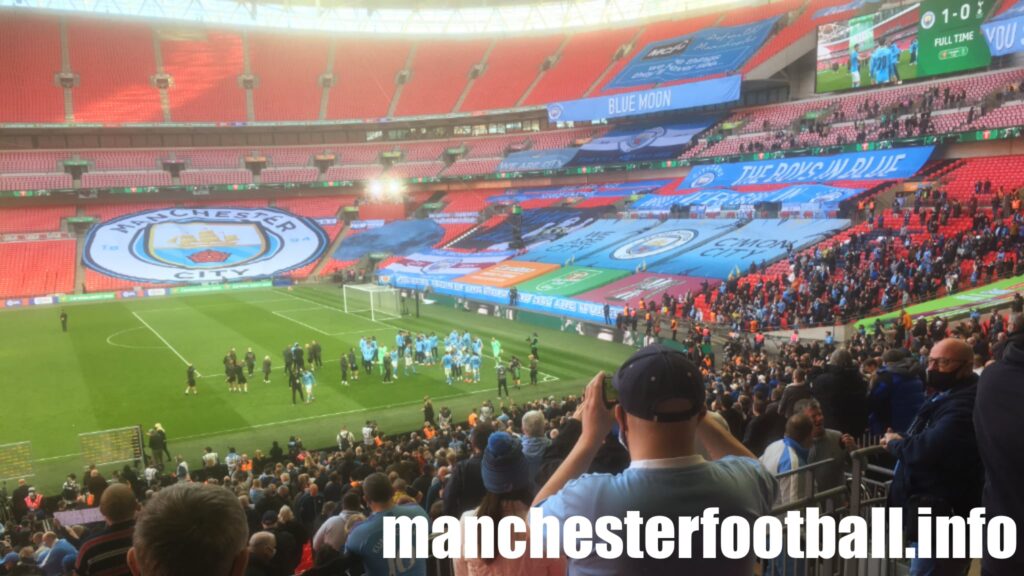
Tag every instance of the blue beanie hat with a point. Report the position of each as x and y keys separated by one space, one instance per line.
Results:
x=504 y=467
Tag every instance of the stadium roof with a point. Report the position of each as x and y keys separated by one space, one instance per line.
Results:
x=406 y=17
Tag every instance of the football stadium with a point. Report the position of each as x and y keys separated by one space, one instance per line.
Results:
x=341 y=287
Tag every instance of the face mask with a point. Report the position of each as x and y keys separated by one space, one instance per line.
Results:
x=941 y=380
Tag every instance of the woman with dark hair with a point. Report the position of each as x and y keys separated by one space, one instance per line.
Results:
x=506 y=478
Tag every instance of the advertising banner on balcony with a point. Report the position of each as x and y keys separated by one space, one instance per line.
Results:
x=594 y=238
x=646 y=286
x=570 y=281
x=610 y=190
x=756 y=242
x=819 y=195
x=444 y=264
x=661 y=243
x=638 y=103
x=210 y=244
x=508 y=273
x=640 y=143
x=709 y=51
x=872 y=165
x=535 y=226
x=531 y=160
x=398 y=238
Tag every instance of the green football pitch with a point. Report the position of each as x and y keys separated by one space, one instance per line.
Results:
x=123 y=363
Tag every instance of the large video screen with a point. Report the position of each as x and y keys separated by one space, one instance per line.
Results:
x=904 y=42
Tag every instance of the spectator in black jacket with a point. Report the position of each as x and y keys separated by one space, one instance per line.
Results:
x=1000 y=432
x=939 y=466
x=843 y=395
x=465 y=487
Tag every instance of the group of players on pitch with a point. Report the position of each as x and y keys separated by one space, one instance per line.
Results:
x=461 y=361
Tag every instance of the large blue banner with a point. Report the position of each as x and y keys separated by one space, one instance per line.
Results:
x=530 y=160
x=756 y=242
x=1005 y=34
x=579 y=309
x=693 y=95
x=586 y=241
x=536 y=226
x=874 y=165
x=398 y=239
x=703 y=53
x=640 y=143
x=801 y=194
x=663 y=242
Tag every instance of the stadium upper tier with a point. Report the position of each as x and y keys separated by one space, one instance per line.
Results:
x=76 y=69
x=976 y=102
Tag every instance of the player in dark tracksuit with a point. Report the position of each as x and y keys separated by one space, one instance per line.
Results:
x=533 y=370
x=243 y=383
x=344 y=369
x=315 y=350
x=64 y=320
x=296 y=384
x=190 y=375
x=287 y=354
x=533 y=345
x=250 y=361
x=353 y=365
x=502 y=380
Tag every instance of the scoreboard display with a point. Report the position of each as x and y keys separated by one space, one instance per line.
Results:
x=15 y=461
x=950 y=36
x=901 y=42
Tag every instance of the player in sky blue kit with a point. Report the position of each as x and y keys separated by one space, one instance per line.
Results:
x=433 y=348
x=308 y=381
x=467 y=341
x=394 y=362
x=880 y=63
x=410 y=362
x=478 y=346
x=855 y=65
x=474 y=363
x=399 y=344
x=446 y=361
x=913 y=51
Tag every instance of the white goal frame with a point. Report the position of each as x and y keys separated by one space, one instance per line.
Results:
x=382 y=302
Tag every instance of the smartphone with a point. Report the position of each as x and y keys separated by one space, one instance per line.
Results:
x=608 y=392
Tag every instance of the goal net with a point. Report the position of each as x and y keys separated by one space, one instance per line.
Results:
x=377 y=302
x=112 y=446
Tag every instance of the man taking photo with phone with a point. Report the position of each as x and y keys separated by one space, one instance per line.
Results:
x=661 y=412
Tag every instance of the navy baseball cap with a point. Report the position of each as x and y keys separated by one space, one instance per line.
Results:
x=656 y=374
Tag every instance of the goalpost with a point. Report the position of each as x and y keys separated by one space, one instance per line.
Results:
x=382 y=302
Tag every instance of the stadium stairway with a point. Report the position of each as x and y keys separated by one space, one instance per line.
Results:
x=329 y=253
x=79 y=265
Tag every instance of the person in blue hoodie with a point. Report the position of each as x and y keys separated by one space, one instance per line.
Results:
x=938 y=464
x=897 y=393
x=1000 y=431
x=534 y=442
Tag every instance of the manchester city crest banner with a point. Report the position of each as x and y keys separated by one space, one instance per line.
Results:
x=203 y=244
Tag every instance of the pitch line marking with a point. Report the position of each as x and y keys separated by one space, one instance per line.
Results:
x=110 y=340
x=164 y=340
x=299 y=322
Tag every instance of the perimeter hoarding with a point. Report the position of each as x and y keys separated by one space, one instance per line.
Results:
x=570 y=281
x=646 y=286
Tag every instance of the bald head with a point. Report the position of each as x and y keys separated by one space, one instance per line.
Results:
x=262 y=546
x=953 y=356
